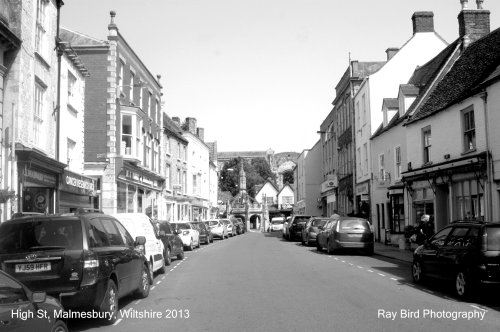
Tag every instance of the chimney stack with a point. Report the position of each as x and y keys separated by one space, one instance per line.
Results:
x=191 y=125
x=177 y=121
x=423 y=22
x=473 y=23
x=201 y=133
x=391 y=51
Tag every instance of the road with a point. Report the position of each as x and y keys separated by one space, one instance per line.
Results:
x=259 y=282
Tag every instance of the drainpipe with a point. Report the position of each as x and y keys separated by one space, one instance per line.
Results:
x=59 y=50
x=489 y=175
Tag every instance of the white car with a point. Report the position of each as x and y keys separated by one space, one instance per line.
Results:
x=189 y=235
x=277 y=224
x=218 y=228
x=139 y=224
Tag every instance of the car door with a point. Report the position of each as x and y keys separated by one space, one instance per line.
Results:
x=431 y=251
x=135 y=266
x=323 y=235
x=453 y=251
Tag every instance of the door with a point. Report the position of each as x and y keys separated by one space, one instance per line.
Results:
x=431 y=251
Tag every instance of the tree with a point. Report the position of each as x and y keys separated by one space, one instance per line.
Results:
x=288 y=177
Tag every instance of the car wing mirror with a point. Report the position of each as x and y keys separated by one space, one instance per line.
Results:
x=140 y=240
x=39 y=297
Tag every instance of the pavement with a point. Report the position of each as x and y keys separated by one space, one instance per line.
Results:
x=389 y=251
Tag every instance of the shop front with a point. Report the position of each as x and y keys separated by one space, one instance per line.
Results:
x=38 y=179
x=76 y=192
x=138 y=191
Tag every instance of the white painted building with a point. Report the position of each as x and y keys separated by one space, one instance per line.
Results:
x=308 y=181
x=384 y=83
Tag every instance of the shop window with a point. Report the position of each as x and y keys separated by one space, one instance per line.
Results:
x=469 y=200
x=130 y=198
x=121 y=197
x=427 y=143
x=140 y=196
x=469 y=128
x=398 y=213
x=397 y=157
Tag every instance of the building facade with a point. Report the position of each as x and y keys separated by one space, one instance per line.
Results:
x=308 y=180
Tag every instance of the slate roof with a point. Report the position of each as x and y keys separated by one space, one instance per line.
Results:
x=391 y=103
x=477 y=62
x=79 y=39
x=172 y=127
x=409 y=89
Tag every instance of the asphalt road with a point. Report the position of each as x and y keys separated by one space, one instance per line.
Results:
x=259 y=282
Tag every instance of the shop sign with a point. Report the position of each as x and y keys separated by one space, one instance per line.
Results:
x=362 y=189
x=47 y=180
x=76 y=183
x=141 y=179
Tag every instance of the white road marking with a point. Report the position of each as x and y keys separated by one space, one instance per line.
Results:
x=171 y=270
x=343 y=261
x=380 y=274
x=394 y=279
x=117 y=322
x=369 y=270
x=153 y=287
x=360 y=267
x=137 y=302
x=336 y=258
x=158 y=282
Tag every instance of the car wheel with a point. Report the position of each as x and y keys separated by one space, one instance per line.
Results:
x=191 y=247
x=199 y=245
x=180 y=256
x=417 y=272
x=318 y=246
x=144 y=285
x=167 y=258
x=329 y=248
x=59 y=326
x=463 y=285
x=369 y=251
x=109 y=304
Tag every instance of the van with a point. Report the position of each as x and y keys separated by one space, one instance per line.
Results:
x=139 y=224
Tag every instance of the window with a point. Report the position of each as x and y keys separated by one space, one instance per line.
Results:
x=70 y=152
x=114 y=237
x=127 y=136
x=156 y=162
x=179 y=179
x=365 y=154
x=131 y=86
x=195 y=185
x=147 y=151
x=469 y=200
x=397 y=157
x=120 y=78
x=150 y=99
x=427 y=143
x=168 y=183
x=381 y=167
x=71 y=84
x=40 y=26
x=469 y=130
x=440 y=237
x=39 y=113
x=287 y=199
x=141 y=98
x=363 y=102
x=126 y=237
x=358 y=162
x=184 y=182
x=167 y=146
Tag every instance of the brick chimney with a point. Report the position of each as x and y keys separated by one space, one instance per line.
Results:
x=423 y=22
x=177 y=121
x=201 y=133
x=473 y=23
x=391 y=51
x=191 y=125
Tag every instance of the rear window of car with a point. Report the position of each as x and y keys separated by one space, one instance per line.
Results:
x=183 y=226
x=40 y=234
x=493 y=238
x=300 y=219
x=349 y=225
x=278 y=221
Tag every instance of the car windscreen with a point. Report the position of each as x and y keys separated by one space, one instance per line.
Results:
x=318 y=222
x=301 y=219
x=350 y=225
x=40 y=235
x=214 y=223
x=183 y=226
x=493 y=236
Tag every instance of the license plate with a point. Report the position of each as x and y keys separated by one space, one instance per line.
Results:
x=32 y=267
x=355 y=235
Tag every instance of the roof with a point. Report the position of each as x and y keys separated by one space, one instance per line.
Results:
x=284 y=186
x=242 y=154
x=77 y=38
x=260 y=186
x=422 y=78
x=409 y=89
x=172 y=128
x=476 y=63
x=391 y=102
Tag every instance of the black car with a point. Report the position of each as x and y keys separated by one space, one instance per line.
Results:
x=297 y=223
x=24 y=310
x=171 y=242
x=86 y=260
x=465 y=253
x=205 y=234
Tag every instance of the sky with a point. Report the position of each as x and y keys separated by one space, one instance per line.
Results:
x=259 y=74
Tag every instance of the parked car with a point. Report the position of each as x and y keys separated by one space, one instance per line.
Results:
x=205 y=234
x=218 y=228
x=465 y=253
x=17 y=298
x=229 y=226
x=238 y=226
x=189 y=235
x=312 y=229
x=139 y=224
x=277 y=224
x=297 y=223
x=286 y=224
x=346 y=233
x=172 y=243
x=88 y=261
